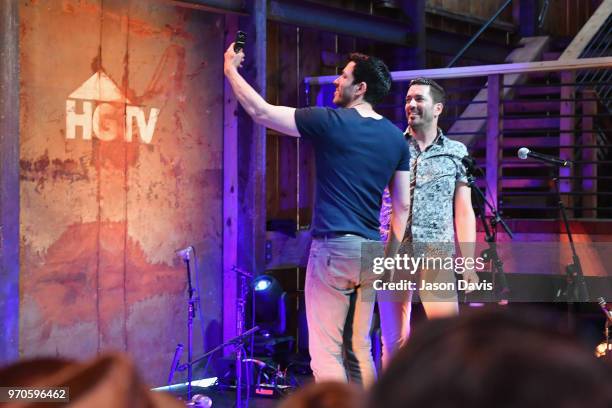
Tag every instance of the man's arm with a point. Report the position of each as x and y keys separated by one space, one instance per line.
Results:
x=279 y=118
x=465 y=224
x=399 y=187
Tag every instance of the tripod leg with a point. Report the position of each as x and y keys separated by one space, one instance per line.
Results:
x=238 y=377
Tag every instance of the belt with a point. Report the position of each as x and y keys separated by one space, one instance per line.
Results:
x=332 y=235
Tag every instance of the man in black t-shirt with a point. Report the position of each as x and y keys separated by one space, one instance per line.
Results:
x=357 y=154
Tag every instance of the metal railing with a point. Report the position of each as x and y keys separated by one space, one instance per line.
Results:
x=549 y=111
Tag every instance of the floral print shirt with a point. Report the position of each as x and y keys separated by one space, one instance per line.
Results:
x=437 y=170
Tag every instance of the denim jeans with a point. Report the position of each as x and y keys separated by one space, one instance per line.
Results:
x=339 y=307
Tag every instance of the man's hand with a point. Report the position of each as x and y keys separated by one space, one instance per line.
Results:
x=232 y=60
x=279 y=118
x=471 y=278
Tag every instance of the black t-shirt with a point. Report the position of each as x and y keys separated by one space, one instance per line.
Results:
x=355 y=160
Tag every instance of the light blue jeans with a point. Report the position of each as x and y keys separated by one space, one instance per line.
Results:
x=339 y=308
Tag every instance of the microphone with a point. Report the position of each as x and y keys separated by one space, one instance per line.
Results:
x=524 y=152
x=604 y=308
x=185 y=253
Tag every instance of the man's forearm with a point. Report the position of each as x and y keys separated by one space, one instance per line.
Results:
x=279 y=118
x=399 y=188
x=396 y=232
x=251 y=101
x=465 y=220
x=466 y=233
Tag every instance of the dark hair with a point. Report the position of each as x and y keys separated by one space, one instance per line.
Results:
x=374 y=73
x=437 y=92
x=326 y=395
x=495 y=359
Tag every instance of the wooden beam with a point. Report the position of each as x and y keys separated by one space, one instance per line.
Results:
x=9 y=181
x=527 y=17
x=360 y=25
x=244 y=154
x=230 y=196
x=469 y=19
x=252 y=148
x=215 y=6
x=259 y=10
x=337 y=20
x=586 y=33
x=415 y=57
x=486 y=70
x=493 y=138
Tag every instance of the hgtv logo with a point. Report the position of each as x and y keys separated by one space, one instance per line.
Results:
x=113 y=116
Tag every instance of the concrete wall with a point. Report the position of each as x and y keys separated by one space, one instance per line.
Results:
x=120 y=164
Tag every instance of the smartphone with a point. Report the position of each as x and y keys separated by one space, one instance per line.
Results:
x=240 y=40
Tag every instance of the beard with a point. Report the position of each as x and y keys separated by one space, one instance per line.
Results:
x=423 y=119
x=343 y=98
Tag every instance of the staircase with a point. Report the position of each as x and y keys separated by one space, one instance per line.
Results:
x=533 y=118
x=560 y=114
x=540 y=117
x=530 y=118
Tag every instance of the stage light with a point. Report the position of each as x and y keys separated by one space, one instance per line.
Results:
x=270 y=308
x=262 y=283
x=270 y=314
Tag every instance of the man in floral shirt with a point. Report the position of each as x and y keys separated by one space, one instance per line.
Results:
x=439 y=196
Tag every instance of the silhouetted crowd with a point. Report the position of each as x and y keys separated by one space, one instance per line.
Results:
x=478 y=359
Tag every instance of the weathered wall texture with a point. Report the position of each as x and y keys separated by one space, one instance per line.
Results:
x=121 y=158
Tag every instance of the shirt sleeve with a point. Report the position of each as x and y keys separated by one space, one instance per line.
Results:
x=404 y=163
x=313 y=122
x=461 y=175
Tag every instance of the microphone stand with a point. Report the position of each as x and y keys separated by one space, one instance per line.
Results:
x=186 y=256
x=575 y=289
x=241 y=303
x=502 y=292
x=238 y=343
x=235 y=341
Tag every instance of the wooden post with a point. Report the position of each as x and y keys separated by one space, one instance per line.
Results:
x=494 y=137
x=415 y=10
x=589 y=138
x=244 y=161
x=566 y=135
x=525 y=17
x=230 y=196
x=248 y=166
x=9 y=181
x=253 y=145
